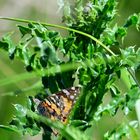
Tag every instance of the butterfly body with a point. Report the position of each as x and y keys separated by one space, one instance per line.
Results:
x=58 y=105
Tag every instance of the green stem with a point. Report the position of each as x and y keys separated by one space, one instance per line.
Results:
x=61 y=27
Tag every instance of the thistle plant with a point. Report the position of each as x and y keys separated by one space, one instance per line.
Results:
x=90 y=55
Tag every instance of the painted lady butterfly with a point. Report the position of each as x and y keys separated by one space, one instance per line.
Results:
x=58 y=105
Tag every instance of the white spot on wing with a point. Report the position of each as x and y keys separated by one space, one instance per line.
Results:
x=73 y=88
x=52 y=99
x=66 y=92
x=71 y=97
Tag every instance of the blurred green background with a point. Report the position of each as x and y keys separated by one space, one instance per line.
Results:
x=46 y=11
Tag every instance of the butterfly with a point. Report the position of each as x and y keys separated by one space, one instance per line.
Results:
x=59 y=105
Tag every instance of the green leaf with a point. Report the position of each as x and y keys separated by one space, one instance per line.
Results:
x=132 y=20
x=9 y=128
x=121 y=32
x=20 y=110
x=127 y=130
x=24 y=30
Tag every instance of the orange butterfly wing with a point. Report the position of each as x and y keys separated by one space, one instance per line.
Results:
x=58 y=106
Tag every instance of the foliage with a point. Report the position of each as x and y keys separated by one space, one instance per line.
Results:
x=86 y=56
